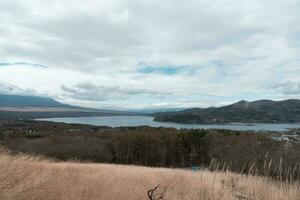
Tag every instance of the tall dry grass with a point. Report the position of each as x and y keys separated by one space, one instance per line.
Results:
x=27 y=178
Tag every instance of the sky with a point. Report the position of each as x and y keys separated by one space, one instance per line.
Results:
x=125 y=54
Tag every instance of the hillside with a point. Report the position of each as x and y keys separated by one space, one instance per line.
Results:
x=26 y=178
x=30 y=101
x=32 y=107
x=262 y=111
x=157 y=147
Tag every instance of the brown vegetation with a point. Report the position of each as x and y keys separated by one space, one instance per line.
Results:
x=249 y=152
x=28 y=178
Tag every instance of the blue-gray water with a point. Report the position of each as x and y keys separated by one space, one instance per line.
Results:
x=117 y=121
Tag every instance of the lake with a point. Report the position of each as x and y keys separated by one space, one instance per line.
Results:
x=118 y=121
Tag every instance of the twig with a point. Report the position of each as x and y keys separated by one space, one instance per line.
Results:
x=151 y=194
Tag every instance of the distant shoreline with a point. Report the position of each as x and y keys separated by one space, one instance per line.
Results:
x=136 y=121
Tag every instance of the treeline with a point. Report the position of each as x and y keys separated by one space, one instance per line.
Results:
x=248 y=152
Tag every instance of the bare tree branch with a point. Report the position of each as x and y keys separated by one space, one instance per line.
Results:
x=151 y=194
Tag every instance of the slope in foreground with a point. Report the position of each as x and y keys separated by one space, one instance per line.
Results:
x=27 y=178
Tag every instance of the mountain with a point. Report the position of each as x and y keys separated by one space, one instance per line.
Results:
x=262 y=111
x=7 y=100
x=31 y=107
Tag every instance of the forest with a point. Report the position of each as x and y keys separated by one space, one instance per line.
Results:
x=246 y=152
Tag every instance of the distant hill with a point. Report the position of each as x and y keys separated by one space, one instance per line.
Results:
x=32 y=107
x=151 y=111
x=262 y=111
x=7 y=100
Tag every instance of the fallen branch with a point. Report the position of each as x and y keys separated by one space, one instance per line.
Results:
x=151 y=194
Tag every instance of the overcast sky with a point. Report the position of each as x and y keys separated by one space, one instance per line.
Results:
x=127 y=54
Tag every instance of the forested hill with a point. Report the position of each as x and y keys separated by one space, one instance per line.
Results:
x=262 y=111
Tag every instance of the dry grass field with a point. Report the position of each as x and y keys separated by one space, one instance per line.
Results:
x=27 y=178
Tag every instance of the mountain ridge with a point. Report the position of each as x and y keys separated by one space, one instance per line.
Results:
x=17 y=106
x=260 y=111
x=16 y=100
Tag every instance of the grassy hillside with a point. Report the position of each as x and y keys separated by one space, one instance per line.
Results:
x=27 y=178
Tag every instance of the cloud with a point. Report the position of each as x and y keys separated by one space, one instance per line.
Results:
x=90 y=92
x=160 y=70
x=115 y=34
x=22 y=63
x=151 y=53
x=288 y=87
x=9 y=89
x=6 y=88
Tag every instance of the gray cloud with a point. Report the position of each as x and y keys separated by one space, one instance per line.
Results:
x=121 y=34
x=288 y=87
x=9 y=89
x=90 y=92
x=22 y=63
x=6 y=88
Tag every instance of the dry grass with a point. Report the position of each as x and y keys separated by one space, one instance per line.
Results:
x=27 y=178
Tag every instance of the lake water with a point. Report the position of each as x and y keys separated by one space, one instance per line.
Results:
x=118 y=121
